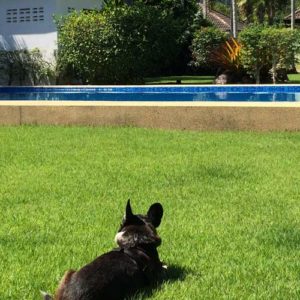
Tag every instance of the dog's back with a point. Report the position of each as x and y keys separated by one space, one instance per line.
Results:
x=111 y=276
x=121 y=271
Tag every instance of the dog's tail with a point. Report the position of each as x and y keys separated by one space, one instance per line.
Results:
x=46 y=296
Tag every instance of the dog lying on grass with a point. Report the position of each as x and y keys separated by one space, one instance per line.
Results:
x=122 y=271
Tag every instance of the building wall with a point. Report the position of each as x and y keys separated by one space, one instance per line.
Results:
x=29 y=24
x=62 y=6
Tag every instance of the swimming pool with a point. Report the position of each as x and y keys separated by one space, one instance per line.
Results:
x=206 y=108
x=250 y=93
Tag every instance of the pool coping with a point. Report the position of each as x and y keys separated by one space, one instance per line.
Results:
x=149 y=103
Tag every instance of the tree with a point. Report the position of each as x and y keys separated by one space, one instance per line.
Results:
x=117 y=45
x=283 y=45
x=205 y=42
x=262 y=10
x=276 y=44
x=268 y=47
x=254 y=50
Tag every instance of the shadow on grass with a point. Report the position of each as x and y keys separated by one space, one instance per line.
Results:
x=175 y=273
x=172 y=274
x=287 y=237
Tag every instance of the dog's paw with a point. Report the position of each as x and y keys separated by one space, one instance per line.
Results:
x=46 y=296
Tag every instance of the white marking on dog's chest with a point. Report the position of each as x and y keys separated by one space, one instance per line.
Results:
x=119 y=237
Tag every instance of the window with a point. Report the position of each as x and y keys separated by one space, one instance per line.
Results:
x=12 y=16
x=37 y=14
x=70 y=9
x=25 y=15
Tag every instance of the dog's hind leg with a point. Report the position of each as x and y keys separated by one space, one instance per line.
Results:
x=59 y=295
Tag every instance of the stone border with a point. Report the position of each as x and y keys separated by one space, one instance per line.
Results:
x=206 y=116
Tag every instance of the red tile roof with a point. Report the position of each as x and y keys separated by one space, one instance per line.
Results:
x=222 y=21
x=297 y=16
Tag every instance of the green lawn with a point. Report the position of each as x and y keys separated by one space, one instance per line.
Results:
x=293 y=78
x=184 y=80
x=231 y=228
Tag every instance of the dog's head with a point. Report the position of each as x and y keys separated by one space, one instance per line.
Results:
x=140 y=229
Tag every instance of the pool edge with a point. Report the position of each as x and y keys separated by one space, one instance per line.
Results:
x=204 y=116
x=149 y=103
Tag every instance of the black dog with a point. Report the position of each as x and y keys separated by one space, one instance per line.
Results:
x=121 y=271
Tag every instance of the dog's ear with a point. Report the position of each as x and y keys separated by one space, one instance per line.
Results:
x=130 y=218
x=128 y=212
x=155 y=214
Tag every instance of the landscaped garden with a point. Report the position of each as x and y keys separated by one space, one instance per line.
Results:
x=130 y=42
x=126 y=44
x=231 y=225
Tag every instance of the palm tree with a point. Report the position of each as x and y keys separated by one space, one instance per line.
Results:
x=253 y=9
x=261 y=9
x=205 y=8
x=293 y=27
x=292 y=14
x=233 y=18
x=247 y=10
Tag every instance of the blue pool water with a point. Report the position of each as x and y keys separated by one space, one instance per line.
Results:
x=286 y=93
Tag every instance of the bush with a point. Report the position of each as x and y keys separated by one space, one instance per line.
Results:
x=205 y=42
x=117 y=45
x=254 y=50
x=268 y=48
x=20 y=67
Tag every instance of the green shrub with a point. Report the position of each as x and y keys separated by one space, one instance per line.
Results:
x=25 y=67
x=283 y=44
x=121 y=44
x=205 y=42
x=270 y=48
x=254 y=50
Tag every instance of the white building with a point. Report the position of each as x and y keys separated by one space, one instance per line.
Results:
x=30 y=23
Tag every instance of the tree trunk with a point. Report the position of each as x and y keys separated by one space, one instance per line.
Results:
x=260 y=13
x=257 y=75
x=293 y=7
x=249 y=12
x=205 y=8
x=10 y=73
x=270 y=12
x=233 y=19
x=273 y=70
x=292 y=14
